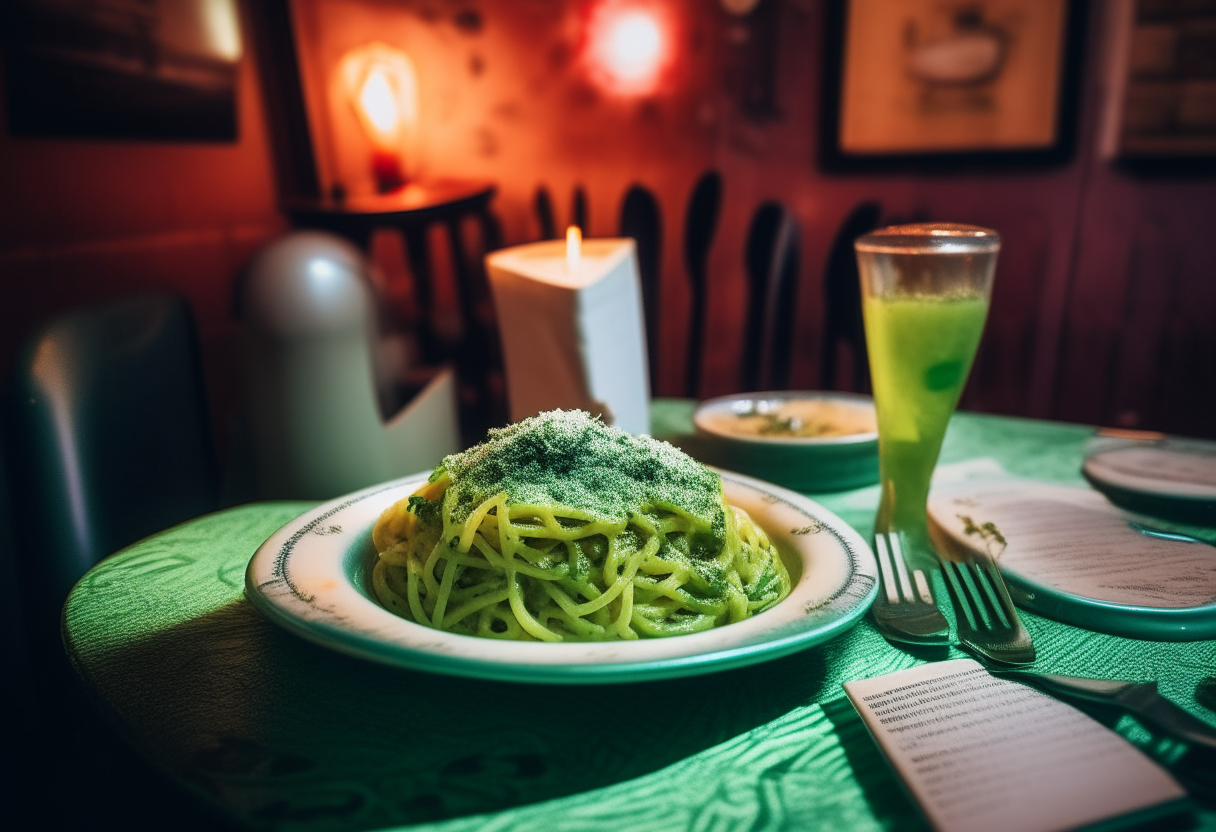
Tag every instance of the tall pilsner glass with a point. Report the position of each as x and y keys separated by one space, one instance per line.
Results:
x=925 y=291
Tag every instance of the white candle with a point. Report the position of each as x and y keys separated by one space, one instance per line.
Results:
x=571 y=327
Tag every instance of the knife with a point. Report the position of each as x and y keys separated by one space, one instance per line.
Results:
x=1137 y=698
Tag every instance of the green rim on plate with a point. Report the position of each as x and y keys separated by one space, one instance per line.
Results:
x=310 y=578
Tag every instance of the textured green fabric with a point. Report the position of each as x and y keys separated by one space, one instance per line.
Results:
x=289 y=736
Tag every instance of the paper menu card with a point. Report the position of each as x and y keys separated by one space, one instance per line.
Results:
x=1075 y=541
x=977 y=752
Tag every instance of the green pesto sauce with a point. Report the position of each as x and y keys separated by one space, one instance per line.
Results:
x=569 y=458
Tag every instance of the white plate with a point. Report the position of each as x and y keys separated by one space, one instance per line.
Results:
x=311 y=577
x=1072 y=556
x=1172 y=478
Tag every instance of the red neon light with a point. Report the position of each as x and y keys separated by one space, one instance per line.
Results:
x=628 y=47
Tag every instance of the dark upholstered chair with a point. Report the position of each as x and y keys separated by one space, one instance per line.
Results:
x=107 y=436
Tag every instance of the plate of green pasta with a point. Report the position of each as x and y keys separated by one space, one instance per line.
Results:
x=565 y=551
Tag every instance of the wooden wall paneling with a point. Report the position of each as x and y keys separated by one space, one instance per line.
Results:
x=1136 y=364
x=1187 y=389
x=1001 y=378
x=1137 y=316
x=1036 y=213
x=1086 y=311
x=1094 y=313
x=1141 y=241
x=807 y=342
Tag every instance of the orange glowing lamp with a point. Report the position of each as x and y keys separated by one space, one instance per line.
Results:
x=382 y=88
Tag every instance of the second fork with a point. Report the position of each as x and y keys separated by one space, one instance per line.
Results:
x=985 y=618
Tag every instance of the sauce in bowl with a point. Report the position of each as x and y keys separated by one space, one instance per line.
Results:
x=809 y=418
x=807 y=440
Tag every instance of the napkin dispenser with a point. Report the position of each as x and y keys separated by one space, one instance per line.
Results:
x=572 y=330
x=316 y=430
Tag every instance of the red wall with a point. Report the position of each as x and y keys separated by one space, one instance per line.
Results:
x=1105 y=287
x=82 y=222
x=1105 y=290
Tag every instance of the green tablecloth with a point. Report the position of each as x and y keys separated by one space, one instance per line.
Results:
x=286 y=735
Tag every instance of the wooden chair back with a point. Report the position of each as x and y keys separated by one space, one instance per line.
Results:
x=771 y=260
x=843 y=327
x=641 y=219
x=700 y=224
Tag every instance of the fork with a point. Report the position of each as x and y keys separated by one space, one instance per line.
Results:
x=985 y=618
x=901 y=613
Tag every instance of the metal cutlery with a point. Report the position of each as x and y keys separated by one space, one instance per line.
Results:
x=1137 y=698
x=987 y=625
x=905 y=610
x=985 y=617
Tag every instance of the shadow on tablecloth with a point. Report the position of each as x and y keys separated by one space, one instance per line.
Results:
x=286 y=734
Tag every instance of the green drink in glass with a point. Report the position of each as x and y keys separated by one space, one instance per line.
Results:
x=925 y=291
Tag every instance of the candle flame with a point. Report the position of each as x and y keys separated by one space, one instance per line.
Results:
x=574 y=248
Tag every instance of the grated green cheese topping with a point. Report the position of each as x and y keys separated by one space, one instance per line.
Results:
x=569 y=458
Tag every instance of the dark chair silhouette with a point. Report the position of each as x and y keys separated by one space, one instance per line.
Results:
x=578 y=209
x=700 y=223
x=642 y=220
x=546 y=219
x=843 y=326
x=542 y=204
x=771 y=259
x=108 y=434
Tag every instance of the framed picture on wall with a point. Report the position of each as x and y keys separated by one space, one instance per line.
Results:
x=1161 y=73
x=154 y=70
x=927 y=82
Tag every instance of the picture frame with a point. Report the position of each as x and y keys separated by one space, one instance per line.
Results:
x=157 y=70
x=925 y=84
x=1160 y=108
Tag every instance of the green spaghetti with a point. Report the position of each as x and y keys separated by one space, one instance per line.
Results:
x=561 y=528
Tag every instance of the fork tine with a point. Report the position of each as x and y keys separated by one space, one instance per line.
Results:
x=997 y=616
x=985 y=624
x=1002 y=592
x=901 y=567
x=973 y=595
x=885 y=568
x=962 y=599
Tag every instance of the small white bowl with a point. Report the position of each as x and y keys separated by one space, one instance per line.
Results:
x=817 y=463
